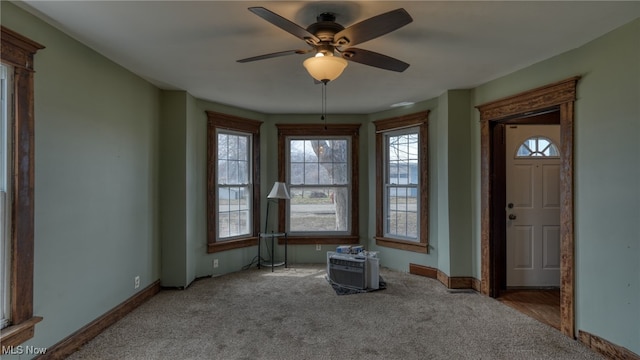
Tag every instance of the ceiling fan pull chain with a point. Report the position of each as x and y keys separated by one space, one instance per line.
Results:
x=324 y=104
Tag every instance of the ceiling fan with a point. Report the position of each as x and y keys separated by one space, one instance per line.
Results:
x=328 y=39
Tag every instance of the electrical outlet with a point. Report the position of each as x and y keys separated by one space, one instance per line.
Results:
x=215 y=263
x=136 y=282
x=318 y=247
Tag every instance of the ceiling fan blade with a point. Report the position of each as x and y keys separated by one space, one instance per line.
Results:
x=284 y=24
x=372 y=28
x=272 y=55
x=375 y=59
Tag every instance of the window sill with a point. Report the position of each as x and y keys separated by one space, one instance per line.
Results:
x=231 y=244
x=402 y=245
x=15 y=335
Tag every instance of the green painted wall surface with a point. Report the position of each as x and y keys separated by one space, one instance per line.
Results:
x=460 y=185
x=607 y=169
x=96 y=191
x=173 y=188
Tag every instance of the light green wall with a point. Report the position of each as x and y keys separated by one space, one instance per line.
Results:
x=173 y=188
x=607 y=169
x=459 y=183
x=96 y=190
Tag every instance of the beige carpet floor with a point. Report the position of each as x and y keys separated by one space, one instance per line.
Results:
x=295 y=314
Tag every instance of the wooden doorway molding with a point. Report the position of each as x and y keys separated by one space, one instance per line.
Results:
x=560 y=95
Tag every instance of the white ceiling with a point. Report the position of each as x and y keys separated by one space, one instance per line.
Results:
x=194 y=45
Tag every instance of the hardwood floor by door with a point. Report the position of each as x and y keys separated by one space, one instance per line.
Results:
x=542 y=305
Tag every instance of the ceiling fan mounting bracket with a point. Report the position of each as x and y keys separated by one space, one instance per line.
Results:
x=325 y=30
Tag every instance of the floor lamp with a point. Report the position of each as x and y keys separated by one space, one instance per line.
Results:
x=278 y=191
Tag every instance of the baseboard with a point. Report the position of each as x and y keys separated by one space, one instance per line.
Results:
x=606 y=348
x=73 y=342
x=451 y=282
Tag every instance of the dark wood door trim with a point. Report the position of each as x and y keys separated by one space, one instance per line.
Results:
x=560 y=95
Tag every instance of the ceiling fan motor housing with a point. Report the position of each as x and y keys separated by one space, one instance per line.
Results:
x=324 y=29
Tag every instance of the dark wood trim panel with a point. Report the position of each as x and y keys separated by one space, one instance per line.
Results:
x=352 y=130
x=567 y=242
x=76 y=340
x=420 y=120
x=530 y=102
x=402 y=244
x=17 y=334
x=215 y=121
x=606 y=348
x=451 y=282
x=537 y=101
x=19 y=51
x=422 y=270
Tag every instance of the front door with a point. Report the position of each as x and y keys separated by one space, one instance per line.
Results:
x=533 y=205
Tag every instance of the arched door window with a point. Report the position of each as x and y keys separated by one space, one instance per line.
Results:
x=537 y=146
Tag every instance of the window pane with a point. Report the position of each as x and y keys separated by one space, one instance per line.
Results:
x=316 y=209
x=402 y=210
x=297 y=174
x=538 y=146
x=234 y=169
x=233 y=213
x=297 y=151
x=316 y=204
x=401 y=180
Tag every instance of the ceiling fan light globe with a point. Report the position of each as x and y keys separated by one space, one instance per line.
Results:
x=325 y=68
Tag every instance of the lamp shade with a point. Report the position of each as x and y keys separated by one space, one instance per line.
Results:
x=325 y=68
x=279 y=191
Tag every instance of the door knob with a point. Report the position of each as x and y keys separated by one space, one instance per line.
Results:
x=512 y=216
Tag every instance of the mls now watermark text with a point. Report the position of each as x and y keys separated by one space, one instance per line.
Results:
x=23 y=350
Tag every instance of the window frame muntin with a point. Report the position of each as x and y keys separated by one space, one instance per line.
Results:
x=352 y=130
x=420 y=119
x=217 y=120
x=349 y=185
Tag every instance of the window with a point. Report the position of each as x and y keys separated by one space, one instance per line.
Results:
x=402 y=182
x=234 y=185
x=320 y=168
x=233 y=190
x=17 y=60
x=538 y=146
x=401 y=202
x=5 y=197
